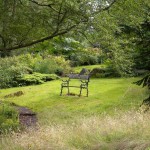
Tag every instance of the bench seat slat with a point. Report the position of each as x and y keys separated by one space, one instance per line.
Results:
x=72 y=86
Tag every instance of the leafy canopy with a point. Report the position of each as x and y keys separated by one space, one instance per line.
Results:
x=24 y=23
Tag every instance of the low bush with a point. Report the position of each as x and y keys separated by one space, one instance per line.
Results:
x=86 y=56
x=82 y=58
x=10 y=68
x=104 y=72
x=46 y=64
x=35 y=78
x=64 y=65
x=18 y=70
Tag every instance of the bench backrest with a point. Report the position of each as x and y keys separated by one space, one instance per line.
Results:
x=77 y=76
x=85 y=77
x=74 y=76
x=82 y=75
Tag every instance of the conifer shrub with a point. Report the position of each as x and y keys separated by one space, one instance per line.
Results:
x=35 y=78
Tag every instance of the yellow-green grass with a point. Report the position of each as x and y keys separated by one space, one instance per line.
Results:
x=109 y=118
x=90 y=67
x=105 y=96
x=125 y=131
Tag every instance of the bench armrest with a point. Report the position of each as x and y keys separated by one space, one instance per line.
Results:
x=84 y=81
x=66 y=80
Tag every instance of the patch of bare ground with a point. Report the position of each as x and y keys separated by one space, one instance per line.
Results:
x=27 y=117
x=18 y=93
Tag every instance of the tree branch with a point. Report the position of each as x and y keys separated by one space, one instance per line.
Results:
x=56 y=33
x=3 y=40
x=25 y=36
x=106 y=8
x=45 y=5
x=87 y=38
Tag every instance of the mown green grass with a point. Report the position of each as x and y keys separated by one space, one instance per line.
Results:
x=107 y=119
x=90 y=67
x=105 y=96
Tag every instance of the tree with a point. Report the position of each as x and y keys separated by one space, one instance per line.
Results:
x=123 y=31
x=145 y=82
x=28 y=22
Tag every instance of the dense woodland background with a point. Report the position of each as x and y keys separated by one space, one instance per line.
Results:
x=82 y=32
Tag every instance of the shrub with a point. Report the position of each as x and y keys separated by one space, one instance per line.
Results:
x=93 y=59
x=46 y=63
x=64 y=65
x=35 y=78
x=82 y=58
x=10 y=68
x=104 y=72
x=45 y=66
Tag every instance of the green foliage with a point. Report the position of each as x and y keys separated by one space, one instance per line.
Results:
x=99 y=71
x=46 y=63
x=145 y=81
x=51 y=18
x=89 y=67
x=8 y=118
x=83 y=58
x=123 y=61
x=64 y=65
x=10 y=68
x=60 y=46
x=51 y=65
x=104 y=73
x=45 y=66
x=18 y=70
x=123 y=34
x=35 y=78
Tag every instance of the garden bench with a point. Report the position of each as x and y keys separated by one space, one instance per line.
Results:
x=82 y=77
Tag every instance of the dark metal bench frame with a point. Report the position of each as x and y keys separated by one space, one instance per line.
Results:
x=83 y=85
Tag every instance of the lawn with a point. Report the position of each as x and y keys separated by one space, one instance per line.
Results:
x=89 y=67
x=105 y=96
x=108 y=119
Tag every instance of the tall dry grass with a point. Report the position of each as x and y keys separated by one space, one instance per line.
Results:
x=124 y=131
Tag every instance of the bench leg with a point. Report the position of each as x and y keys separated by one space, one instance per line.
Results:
x=61 y=90
x=80 y=91
x=87 y=92
x=68 y=90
